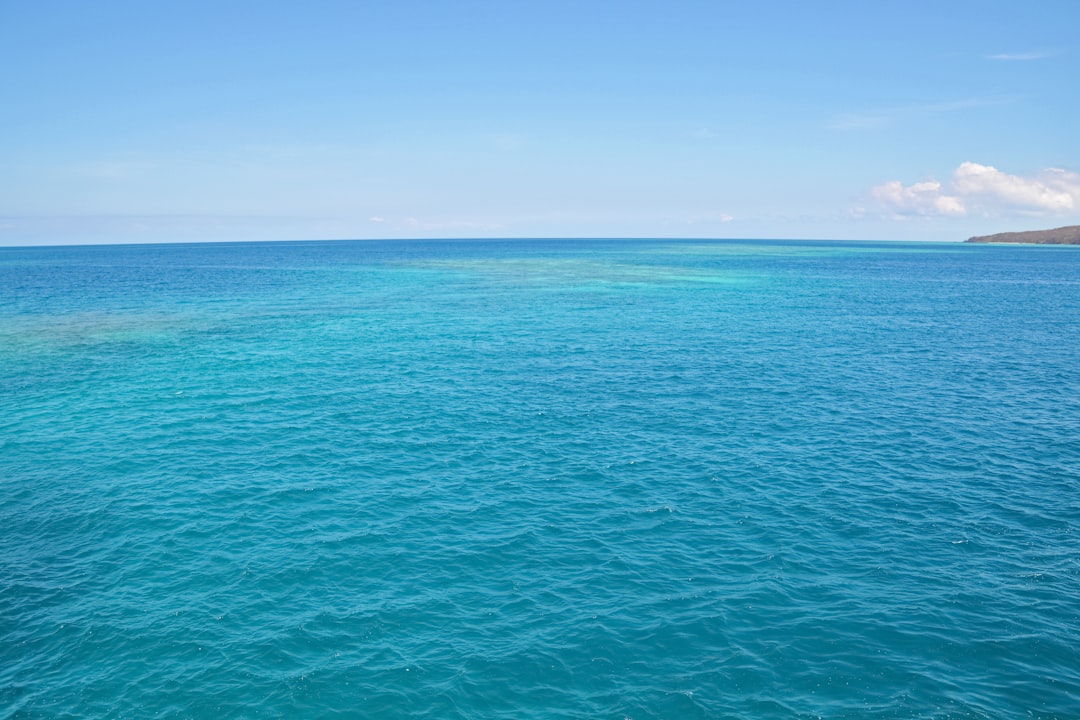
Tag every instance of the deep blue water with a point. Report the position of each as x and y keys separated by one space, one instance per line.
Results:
x=540 y=479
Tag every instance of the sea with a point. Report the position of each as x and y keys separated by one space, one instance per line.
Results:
x=540 y=479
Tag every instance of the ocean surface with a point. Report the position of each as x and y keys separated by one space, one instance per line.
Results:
x=540 y=479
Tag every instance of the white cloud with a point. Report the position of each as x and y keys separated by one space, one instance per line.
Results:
x=1065 y=180
x=925 y=198
x=1057 y=192
x=984 y=189
x=1038 y=55
x=376 y=219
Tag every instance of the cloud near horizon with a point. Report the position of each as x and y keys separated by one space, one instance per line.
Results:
x=983 y=189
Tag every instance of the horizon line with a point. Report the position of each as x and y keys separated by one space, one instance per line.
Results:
x=598 y=238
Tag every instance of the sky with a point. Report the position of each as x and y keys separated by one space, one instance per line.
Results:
x=232 y=120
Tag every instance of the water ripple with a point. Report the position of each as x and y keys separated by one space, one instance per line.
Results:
x=595 y=479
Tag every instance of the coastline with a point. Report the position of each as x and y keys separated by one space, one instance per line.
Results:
x=1068 y=235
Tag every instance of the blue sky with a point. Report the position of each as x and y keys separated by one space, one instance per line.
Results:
x=229 y=120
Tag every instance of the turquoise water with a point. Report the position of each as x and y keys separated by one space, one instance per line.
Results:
x=540 y=479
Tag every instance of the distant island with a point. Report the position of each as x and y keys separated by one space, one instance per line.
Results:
x=1069 y=235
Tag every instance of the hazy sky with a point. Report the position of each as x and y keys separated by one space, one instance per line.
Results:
x=167 y=121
